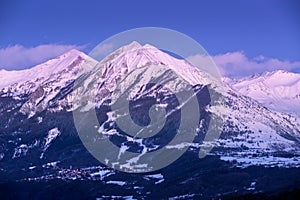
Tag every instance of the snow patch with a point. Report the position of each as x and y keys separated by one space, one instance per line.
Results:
x=52 y=135
x=120 y=183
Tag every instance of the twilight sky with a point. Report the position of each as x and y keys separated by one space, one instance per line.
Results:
x=243 y=37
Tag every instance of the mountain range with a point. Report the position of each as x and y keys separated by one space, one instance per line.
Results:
x=259 y=141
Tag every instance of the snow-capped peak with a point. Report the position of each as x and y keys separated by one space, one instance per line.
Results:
x=249 y=129
x=44 y=82
x=278 y=90
x=134 y=55
x=44 y=70
x=74 y=52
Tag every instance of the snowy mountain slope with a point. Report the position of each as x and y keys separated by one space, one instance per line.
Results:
x=248 y=124
x=139 y=56
x=253 y=134
x=278 y=90
x=250 y=129
x=40 y=149
x=43 y=71
x=42 y=83
x=128 y=58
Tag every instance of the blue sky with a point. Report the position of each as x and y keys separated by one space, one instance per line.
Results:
x=255 y=29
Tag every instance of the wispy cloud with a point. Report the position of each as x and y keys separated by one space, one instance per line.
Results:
x=237 y=64
x=20 y=57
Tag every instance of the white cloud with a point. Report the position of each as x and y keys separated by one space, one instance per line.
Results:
x=19 y=57
x=237 y=64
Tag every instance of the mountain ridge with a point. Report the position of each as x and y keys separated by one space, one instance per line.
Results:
x=278 y=90
x=41 y=148
x=246 y=121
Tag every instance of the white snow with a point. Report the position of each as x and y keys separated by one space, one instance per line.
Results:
x=40 y=120
x=252 y=186
x=42 y=71
x=22 y=149
x=277 y=90
x=120 y=183
x=159 y=178
x=102 y=174
x=43 y=82
x=51 y=164
x=185 y=196
x=52 y=135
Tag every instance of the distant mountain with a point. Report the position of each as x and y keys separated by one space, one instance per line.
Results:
x=43 y=84
x=39 y=141
x=277 y=90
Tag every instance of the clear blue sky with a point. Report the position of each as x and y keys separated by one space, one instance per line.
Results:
x=256 y=27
